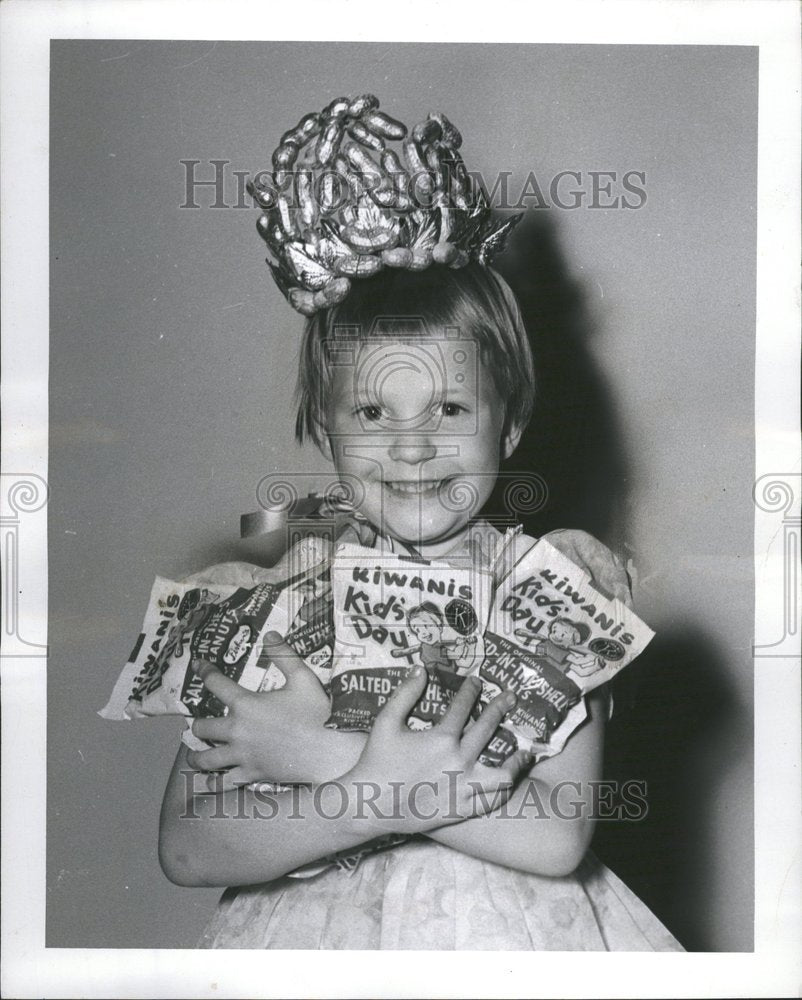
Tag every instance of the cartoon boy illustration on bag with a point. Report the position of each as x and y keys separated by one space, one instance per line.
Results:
x=440 y=645
x=564 y=648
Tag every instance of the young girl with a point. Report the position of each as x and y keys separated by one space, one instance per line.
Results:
x=416 y=380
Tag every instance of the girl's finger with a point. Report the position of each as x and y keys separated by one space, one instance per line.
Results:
x=210 y=760
x=479 y=732
x=460 y=708
x=225 y=781
x=213 y=730
x=283 y=655
x=401 y=701
x=222 y=687
x=514 y=766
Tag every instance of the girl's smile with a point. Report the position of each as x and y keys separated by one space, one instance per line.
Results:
x=413 y=486
x=402 y=490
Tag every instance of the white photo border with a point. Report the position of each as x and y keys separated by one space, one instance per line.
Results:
x=31 y=970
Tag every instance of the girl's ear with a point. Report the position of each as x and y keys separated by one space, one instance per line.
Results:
x=510 y=439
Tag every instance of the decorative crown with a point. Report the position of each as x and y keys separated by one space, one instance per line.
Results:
x=341 y=204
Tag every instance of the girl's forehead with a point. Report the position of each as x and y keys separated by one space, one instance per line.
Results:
x=445 y=362
x=444 y=350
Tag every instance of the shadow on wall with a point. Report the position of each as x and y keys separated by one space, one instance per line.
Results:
x=673 y=719
x=670 y=712
x=573 y=441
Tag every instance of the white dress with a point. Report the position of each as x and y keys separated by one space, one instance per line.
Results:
x=421 y=895
x=425 y=896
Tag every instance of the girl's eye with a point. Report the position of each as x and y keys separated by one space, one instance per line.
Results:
x=370 y=413
x=451 y=409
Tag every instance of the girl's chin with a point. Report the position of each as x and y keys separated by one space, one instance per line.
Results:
x=420 y=532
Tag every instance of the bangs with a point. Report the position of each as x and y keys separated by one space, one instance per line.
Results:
x=410 y=303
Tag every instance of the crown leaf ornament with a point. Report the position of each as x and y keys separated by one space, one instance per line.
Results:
x=342 y=204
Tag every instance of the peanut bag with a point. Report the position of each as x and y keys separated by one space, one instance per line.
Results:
x=223 y=624
x=392 y=613
x=552 y=637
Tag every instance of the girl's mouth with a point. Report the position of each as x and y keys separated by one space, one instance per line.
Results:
x=413 y=487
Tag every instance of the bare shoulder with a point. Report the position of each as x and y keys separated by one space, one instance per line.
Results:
x=307 y=553
x=237 y=574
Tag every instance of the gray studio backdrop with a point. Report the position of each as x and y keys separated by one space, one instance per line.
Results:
x=171 y=376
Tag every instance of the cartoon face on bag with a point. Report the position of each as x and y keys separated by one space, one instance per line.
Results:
x=422 y=440
x=564 y=634
x=425 y=626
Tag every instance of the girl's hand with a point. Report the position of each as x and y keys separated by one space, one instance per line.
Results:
x=410 y=782
x=272 y=735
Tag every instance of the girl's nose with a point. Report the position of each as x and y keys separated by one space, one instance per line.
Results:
x=412 y=450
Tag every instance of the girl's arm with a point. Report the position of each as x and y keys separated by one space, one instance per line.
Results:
x=533 y=837
x=243 y=836
x=546 y=825
x=403 y=782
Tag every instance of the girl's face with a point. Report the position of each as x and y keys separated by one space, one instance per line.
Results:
x=417 y=428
